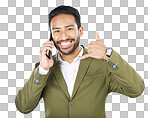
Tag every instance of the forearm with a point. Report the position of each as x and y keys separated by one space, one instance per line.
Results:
x=123 y=78
x=29 y=96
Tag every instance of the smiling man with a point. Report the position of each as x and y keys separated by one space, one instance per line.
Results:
x=75 y=82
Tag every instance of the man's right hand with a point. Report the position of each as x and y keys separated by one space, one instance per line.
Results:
x=45 y=62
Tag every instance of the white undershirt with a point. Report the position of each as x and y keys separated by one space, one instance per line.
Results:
x=69 y=71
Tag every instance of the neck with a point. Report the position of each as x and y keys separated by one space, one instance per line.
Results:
x=69 y=58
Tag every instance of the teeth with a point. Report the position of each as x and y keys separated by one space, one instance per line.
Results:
x=65 y=43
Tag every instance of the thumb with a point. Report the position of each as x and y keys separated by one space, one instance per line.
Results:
x=84 y=56
x=97 y=36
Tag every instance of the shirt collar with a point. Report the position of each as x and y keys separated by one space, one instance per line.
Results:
x=75 y=60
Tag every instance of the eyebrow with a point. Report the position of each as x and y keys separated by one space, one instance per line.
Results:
x=65 y=27
x=69 y=26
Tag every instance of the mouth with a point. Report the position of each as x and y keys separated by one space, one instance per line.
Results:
x=65 y=44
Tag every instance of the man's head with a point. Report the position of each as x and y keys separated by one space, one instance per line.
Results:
x=65 y=26
x=65 y=10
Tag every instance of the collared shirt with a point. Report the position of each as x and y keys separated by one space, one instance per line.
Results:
x=69 y=70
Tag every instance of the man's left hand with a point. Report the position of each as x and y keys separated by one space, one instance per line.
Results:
x=96 y=49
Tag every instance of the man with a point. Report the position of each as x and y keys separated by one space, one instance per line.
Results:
x=75 y=82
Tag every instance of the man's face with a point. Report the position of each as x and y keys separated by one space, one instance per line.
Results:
x=65 y=33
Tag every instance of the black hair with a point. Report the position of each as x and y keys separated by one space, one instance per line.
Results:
x=65 y=10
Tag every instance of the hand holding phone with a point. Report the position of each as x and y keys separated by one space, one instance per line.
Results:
x=46 y=61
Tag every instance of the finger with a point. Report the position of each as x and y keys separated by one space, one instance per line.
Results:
x=91 y=44
x=47 y=45
x=50 y=42
x=97 y=36
x=47 y=42
x=89 y=48
x=84 y=56
x=45 y=50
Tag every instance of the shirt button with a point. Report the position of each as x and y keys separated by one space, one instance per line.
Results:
x=114 y=66
x=37 y=81
x=71 y=104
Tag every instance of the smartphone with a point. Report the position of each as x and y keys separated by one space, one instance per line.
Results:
x=48 y=51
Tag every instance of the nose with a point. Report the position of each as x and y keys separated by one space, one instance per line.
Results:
x=63 y=35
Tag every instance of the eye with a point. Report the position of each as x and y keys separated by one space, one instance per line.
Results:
x=70 y=29
x=56 y=31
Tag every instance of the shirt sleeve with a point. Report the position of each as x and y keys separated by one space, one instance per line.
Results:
x=122 y=77
x=42 y=70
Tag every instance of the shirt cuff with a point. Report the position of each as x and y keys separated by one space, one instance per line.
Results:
x=42 y=70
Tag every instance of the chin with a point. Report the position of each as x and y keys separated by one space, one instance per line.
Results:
x=68 y=52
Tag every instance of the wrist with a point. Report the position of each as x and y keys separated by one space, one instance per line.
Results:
x=105 y=58
x=45 y=68
x=108 y=53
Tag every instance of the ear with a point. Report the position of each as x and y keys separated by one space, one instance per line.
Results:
x=81 y=31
